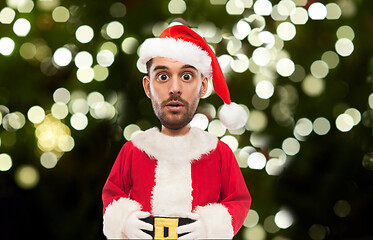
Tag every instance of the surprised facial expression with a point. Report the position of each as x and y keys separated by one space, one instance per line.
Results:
x=174 y=89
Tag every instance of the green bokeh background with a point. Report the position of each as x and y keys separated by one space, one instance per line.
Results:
x=66 y=203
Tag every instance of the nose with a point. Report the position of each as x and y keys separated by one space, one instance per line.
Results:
x=175 y=87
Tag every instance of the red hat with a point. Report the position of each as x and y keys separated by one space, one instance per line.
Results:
x=182 y=44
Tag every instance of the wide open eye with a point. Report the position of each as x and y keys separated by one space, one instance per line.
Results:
x=187 y=76
x=162 y=77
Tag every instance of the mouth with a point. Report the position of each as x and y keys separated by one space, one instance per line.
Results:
x=174 y=106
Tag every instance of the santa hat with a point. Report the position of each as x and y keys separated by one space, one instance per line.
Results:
x=182 y=44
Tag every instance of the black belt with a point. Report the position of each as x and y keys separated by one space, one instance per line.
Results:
x=165 y=227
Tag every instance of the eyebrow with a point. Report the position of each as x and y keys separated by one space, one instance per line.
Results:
x=162 y=67
x=189 y=66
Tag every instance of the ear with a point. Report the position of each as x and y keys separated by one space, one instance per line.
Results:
x=205 y=84
x=146 y=85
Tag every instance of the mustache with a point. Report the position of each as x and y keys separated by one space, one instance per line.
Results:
x=175 y=98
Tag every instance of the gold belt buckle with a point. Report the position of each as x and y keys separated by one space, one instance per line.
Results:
x=165 y=228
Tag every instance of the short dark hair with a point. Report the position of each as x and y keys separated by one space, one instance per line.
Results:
x=148 y=65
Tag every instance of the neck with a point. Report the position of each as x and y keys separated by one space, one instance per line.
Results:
x=175 y=132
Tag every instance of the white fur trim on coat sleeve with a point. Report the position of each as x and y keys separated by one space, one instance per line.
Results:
x=217 y=220
x=115 y=216
x=233 y=116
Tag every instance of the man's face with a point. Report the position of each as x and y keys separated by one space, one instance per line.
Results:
x=174 y=89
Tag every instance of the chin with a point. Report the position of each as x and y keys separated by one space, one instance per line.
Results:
x=175 y=124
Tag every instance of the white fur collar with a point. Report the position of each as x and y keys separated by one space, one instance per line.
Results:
x=188 y=147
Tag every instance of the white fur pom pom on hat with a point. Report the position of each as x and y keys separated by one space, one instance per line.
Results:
x=233 y=116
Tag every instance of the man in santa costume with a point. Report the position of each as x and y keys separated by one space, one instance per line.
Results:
x=178 y=182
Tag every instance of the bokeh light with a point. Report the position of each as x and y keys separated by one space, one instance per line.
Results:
x=286 y=31
x=257 y=121
x=251 y=219
x=267 y=38
x=344 y=122
x=7 y=15
x=105 y=58
x=270 y=225
x=13 y=121
x=298 y=74
x=216 y=128
x=60 y=14
x=235 y=7
x=115 y=30
x=59 y=110
x=62 y=57
x=85 y=75
x=36 y=114
x=317 y=11
x=333 y=11
x=261 y=56
x=129 y=45
x=255 y=233
x=118 y=10
x=256 y=160
x=368 y=161
x=299 y=16
x=100 y=73
x=370 y=100
x=286 y=7
x=26 y=176
x=47 y=5
x=79 y=121
x=319 y=69
x=345 y=32
x=240 y=64
x=231 y=142
x=285 y=67
x=21 y=27
x=61 y=95
x=284 y=219
x=48 y=160
x=177 y=6
x=342 y=208
x=83 y=59
x=355 y=114
x=312 y=86
x=264 y=89
x=79 y=105
x=241 y=29
x=321 y=126
x=317 y=232
x=274 y=166
x=291 y=146
x=53 y=135
x=112 y=47
x=331 y=58
x=6 y=46
x=5 y=162
x=130 y=130
x=200 y=121
x=84 y=34
x=263 y=7
x=303 y=127
x=344 y=47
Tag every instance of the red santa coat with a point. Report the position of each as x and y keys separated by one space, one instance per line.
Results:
x=173 y=176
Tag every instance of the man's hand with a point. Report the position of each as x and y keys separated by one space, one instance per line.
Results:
x=133 y=225
x=195 y=230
